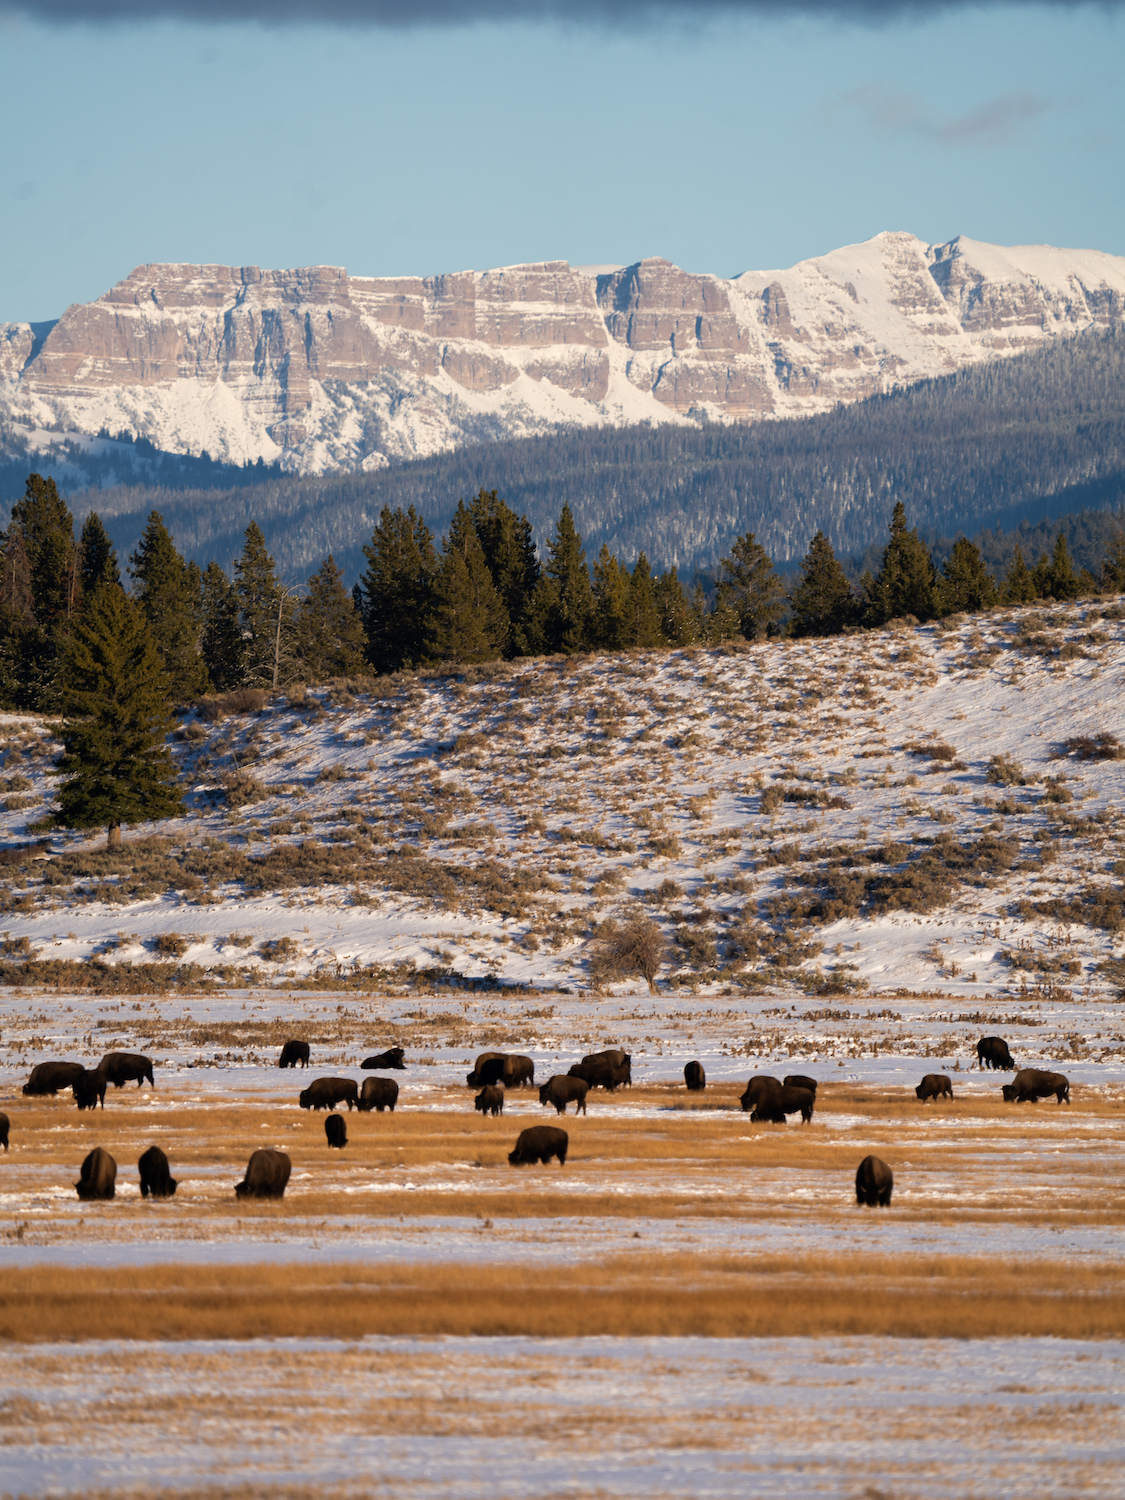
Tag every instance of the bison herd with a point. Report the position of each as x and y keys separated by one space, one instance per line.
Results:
x=767 y=1099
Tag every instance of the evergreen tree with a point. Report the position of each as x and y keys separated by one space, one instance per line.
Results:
x=678 y=623
x=823 y=603
x=1019 y=585
x=750 y=586
x=397 y=591
x=643 y=611
x=609 y=627
x=1113 y=568
x=907 y=583
x=115 y=766
x=97 y=560
x=1057 y=579
x=47 y=529
x=509 y=550
x=17 y=622
x=220 y=638
x=966 y=583
x=328 y=633
x=168 y=593
x=265 y=613
x=468 y=621
x=563 y=605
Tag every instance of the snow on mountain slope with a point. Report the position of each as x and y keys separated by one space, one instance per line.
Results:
x=329 y=371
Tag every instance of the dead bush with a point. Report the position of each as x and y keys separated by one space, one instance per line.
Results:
x=241 y=788
x=218 y=706
x=170 y=945
x=1003 y=770
x=634 y=947
x=1100 y=746
x=276 y=950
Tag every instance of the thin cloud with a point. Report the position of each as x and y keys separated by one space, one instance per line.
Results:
x=997 y=122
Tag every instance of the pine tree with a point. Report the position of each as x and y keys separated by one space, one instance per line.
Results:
x=1113 y=567
x=17 y=622
x=678 y=623
x=97 y=559
x=265 y=613
x=169 y=596
x=220 y=634
x=750 y=586
x=966 y=583
x=563 y=605
x=328 y=633
x=1019 y=585
x=468 y=621
x=397 y=590
x=609 y=628
x=823 y=602
x=643 y=611
x=115 y=766
x=509 y=550
x=907 y=582
x=1057 y=579
x=47 y=529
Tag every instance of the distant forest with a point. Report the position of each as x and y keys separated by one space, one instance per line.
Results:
x=1013 y=442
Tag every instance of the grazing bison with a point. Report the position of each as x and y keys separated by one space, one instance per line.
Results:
x=539 y=1143
x=511 y=1069
x=760 y=1084
x=559 y=1091
x=122 y=1067
x=1032 y=1084
x=774 y=1104
x=800 y=1081
x=476 y=1080
x=293 y=1053
x=379 y=1094
x=599 y=1073
x=490 y=1101
x=992 y=1052
x=89 y=1088
x=336 y=1131
x=156 y=1180
x=618 y=1062
x=874 y=1183
x=50 y=1077
x=267 y=1172
x=4 y=1127
x=695 y=1077
x=395 y=1057
x=98 y=1177
x=934 y=1086
x=326 y=1093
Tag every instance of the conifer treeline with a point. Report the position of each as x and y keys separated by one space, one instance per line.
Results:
x=483 y=593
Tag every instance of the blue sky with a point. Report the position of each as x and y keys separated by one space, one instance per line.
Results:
x=749 y=140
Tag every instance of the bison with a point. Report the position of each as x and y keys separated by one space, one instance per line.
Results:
x=379 y=1094
x=98 y=1178
x=874 y=1183
x=1032 y=1084
x=490 y=1101
x=50 y=1077
x=122 y=1067
x=695 y=1077
x=559 y=1091
x=774 y=1104
x=475 y=1080
x=598 y=1073
x=336 y=1131
x=615 y=1059
x=511 y=1069
x=156 y=1180
x=760 y=1084
x=393 y=1058
x=992 y=1052
x=934 y=1086
x=800 y=1081
x=89 y=1088
x=4 y=1127
x=293 y=1053
x=538 y=1144
x=326 y=1093
x=267 y=1172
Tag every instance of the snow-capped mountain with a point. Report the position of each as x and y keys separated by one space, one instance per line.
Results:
x=325 y=371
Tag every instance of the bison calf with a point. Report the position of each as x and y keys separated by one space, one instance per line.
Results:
x=992 y=1052
x=294 y=1053
x=326 y=1093
x=156 y=1179
x=539 y=1144
x=935 y=1086
x=874 y=1183
x=490 y=1101
x=123 y=1067
x=559 y=1091
x=98 y=1177
x=267 y=1172
x=695 y=1077
x=379 y=1094
x=336 y=1131
x=4 y=1127
x=89 y=1088
x=393 y=1058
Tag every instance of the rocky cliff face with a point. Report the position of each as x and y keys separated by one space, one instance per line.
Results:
x=331 y=370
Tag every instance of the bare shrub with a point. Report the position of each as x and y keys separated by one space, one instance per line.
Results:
x=218 y=706
x=170 y=945
x=275 y=950
x=241 y=788
x=1100 y=746
x=634 y=947
x=1003 y=770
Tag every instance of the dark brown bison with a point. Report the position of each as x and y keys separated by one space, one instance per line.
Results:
x=874 y=1183
x=539 y=1143
x=394 y=1058
x=774 y=1104
x=600 y=1073
x=98 y=1178
x=559 y=1091
x=511 y=1069
x=5 y=1125
x=326 y=1093
x=617 y=1061
x=1032 y=1084
x=89 y=1088
x=336 y=1131
x=800 y=1081
x=379 y=1094
x=156 y=1180
x=267 y=1172
x=695 y=1077
x=51 y=1077
x=934 y=1086
x=122 y=1067
x=475 y=1080
x=760 y=1084
x=490 y=1100
x=992 y=1052
x=295 y=1053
